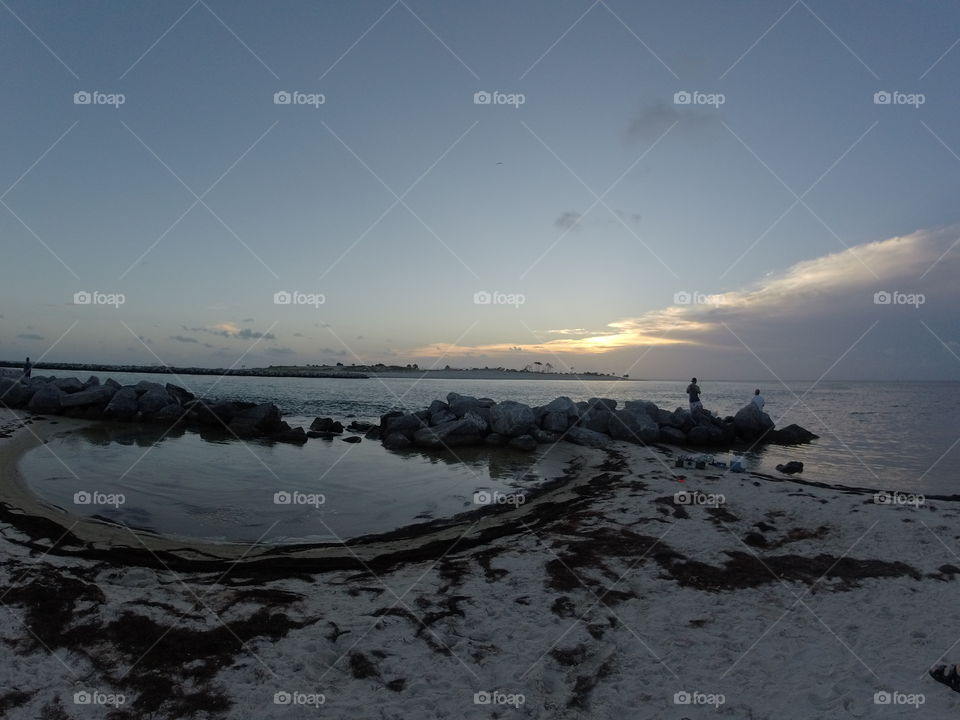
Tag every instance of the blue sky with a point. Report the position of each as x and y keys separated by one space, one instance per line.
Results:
x=597 y=200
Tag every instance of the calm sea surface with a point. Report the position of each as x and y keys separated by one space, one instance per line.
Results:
x=894 y=436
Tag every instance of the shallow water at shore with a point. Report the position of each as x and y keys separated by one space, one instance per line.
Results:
x=216 y=488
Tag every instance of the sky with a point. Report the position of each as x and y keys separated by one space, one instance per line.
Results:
x=737 y=190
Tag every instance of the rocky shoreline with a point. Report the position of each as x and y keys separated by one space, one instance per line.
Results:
x=460 y=420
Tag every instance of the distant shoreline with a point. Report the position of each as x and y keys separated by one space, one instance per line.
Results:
x=360 y=372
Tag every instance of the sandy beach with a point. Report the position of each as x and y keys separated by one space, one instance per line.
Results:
x=777 y=600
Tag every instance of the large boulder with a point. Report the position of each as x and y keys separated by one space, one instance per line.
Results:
x=179 y=394
x=597 y=415
x=123 y=405
x=96 y=395
x=145 y=386
x=672 y=435
x=113 y=383
x=264 y=418
x=169 y=414
x=404 y=424
x=633 y=425
x=512 y=419
x=468 y=430
x=665 y=418
x=69 y=385
x=13 y=393
x=643 y=406
x=751 y=422
x=326 y=425
x=46 y=400
x=442 y=416
x=583 y=436
x=154 y=401
x=562 y=404
x=460 y=405
x=92 y=381
x=791 y=435
x=556 y=422
x=705 y=435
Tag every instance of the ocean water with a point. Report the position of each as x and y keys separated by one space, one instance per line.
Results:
x=892 y=436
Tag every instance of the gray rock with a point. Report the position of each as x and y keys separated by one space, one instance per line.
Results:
x=791 y=435
x=672 y=435
x=145 y=386
x=69 y=385
x=438 y=405
x=295 y=436
x=495 y=439
x=525 y=443
x=326 y=424
x=46 y=400
x=794 y=466
x=361 y=426
x=94 y=396
x=14 y=394
x=705 y=435
x=92 y=381
x=396 y=441
x=352 y=439
x=113 y=383
x=512 y=418
x=597 y=415
x=634 y=425
x=169 y=414
x=583 y=436
x=643 y=406
x=179 y=394
x=123 y=404
x=465 y=431
x=665 y=418
x=751 y=422
x=562 y=404
x=405 y=424
x=265 y=418
x=460 y=405
x=153 y=401
x=556 y=422
x=441 y=416
x=610 y=405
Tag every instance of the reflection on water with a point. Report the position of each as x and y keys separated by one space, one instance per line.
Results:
x=208 y=485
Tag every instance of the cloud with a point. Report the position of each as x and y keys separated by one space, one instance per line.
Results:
x=30 y=336
x=653 y=120
x=331 y=351
x=568 y=220
x=230 y=330
x=280 y=351
x=804 y=316
x=181 y=338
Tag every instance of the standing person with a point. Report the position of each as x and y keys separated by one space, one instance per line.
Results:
x=693 y=392
x=27 y=369
x=758 y=400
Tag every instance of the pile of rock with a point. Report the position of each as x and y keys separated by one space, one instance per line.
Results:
x=147 y=402
x=465 y=420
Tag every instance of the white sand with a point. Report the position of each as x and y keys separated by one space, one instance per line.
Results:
x=791 y=649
